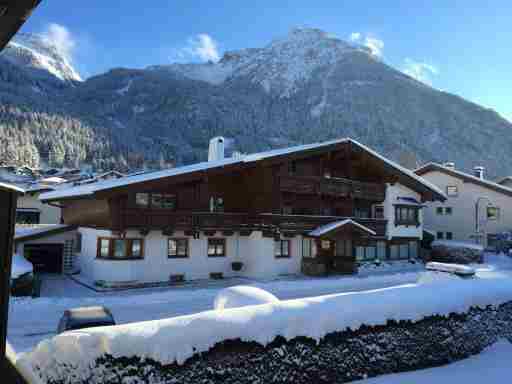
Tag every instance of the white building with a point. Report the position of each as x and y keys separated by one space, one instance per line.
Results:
x=473 y=204
x=332 y=205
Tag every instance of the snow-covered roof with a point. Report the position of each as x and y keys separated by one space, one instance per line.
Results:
x=90 y=189
x=11 y=187
x=324 y=229
x=40 y=230
x=430 y=167
x=53 y=180
x=408 y=201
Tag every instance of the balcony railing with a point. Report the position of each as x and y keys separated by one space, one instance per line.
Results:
x=135 y=219
x=333 y=186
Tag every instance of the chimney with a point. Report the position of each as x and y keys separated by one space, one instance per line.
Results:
x=449 y=165
x=478 y=171
x=216 y=149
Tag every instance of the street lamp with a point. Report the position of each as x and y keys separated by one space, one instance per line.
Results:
x=477 y=222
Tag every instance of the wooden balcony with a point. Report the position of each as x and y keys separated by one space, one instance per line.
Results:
x=135 y=219
x=333 y=186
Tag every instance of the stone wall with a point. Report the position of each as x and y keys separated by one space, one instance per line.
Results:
x=340 y=357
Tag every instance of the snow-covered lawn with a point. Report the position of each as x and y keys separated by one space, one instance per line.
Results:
x=492 y=366
x=32 y=320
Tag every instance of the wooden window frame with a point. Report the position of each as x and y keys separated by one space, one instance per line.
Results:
x=178 y=256
x=150 y=204
x=129 y=249
x=281 y=255
x=406 y=222
x=217 y=241
x=139 y=205
x=452 y=194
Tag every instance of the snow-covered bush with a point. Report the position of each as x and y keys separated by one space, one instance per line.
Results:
x=241 y=296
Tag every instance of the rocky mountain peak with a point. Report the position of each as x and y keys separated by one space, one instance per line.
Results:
x=38 y=53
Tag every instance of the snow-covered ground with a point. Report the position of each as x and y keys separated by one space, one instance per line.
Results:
x=492 y=366
x=32 y=320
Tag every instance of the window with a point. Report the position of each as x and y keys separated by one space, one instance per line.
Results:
x=344 y=248
x=142 y=200
x=362 y=212
x=381 y=250
x=27 y=216
x=163 y=200
x=449 y=235
x=378 y=212
x=413 y=249
x=405 y=215
x=307 y=247
x=448 y=210
x=440 y=235
x=216 y=204
x=325 y=244
x=216 y=247
x=452 y=191
x=104 y=247
x=282 y=248
x=120 y=249
x=287 y=210
x=394 y=252
x=292 y=167
x=439 y=210
x=177 y=248
x=493 y=213
x=366 y=252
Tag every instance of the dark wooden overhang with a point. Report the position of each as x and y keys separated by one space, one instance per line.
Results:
x=393 y=173
x=13 y=13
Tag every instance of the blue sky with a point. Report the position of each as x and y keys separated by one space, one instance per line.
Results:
x=463 y=47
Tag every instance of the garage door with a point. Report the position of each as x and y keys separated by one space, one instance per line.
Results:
x=45 y=257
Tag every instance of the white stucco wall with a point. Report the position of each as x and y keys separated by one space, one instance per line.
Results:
x=392 y=192
x=462 y=220
x=255 y=251
x=48 y=214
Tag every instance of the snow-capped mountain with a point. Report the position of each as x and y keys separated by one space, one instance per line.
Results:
x=37 y=52
x=304 y=87
x=282 y=67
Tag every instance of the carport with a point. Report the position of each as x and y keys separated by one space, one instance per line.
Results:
x=46 y=258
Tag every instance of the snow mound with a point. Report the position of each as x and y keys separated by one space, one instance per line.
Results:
x=457 y=269
x=179 y=338
x=458 y=244
x=242 y=296
x=20 y=266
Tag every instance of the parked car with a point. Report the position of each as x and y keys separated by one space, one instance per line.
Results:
x=85 y=317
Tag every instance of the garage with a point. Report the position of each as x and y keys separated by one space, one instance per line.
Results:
x=46 y=258
x=50 y=248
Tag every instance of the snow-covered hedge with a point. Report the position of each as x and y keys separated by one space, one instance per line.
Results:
x=72 y=356
x=457 y=252
x=242 y=296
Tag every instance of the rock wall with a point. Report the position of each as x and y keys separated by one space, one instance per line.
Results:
x=340 y=357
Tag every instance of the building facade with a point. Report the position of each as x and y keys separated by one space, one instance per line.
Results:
x=328 y=206
x=473 y=204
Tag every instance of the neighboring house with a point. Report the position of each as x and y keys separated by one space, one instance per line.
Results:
x=333 y=204
x=456 y=218
x=31 y=210
x=50 y=248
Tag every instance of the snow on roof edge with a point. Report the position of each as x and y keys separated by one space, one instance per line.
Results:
x=90 y=189
x=337 y=224
x=465 y=174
